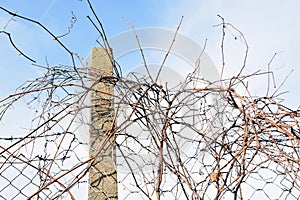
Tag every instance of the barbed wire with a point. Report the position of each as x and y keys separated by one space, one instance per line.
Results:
x=195 y=140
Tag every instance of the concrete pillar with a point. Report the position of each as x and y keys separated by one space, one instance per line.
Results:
x=103 y=173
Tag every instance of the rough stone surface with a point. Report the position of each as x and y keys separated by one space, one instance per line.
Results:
x=103 y=173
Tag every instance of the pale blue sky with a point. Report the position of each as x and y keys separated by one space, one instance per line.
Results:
x=270 y=26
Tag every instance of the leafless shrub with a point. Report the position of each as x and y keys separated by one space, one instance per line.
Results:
x=238 y=146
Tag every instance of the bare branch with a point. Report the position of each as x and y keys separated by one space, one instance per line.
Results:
x=13 y=44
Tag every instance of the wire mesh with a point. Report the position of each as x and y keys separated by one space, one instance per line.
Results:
x=195 y=140
x=185 y=142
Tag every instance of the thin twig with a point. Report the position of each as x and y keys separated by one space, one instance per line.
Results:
x=13 y=44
